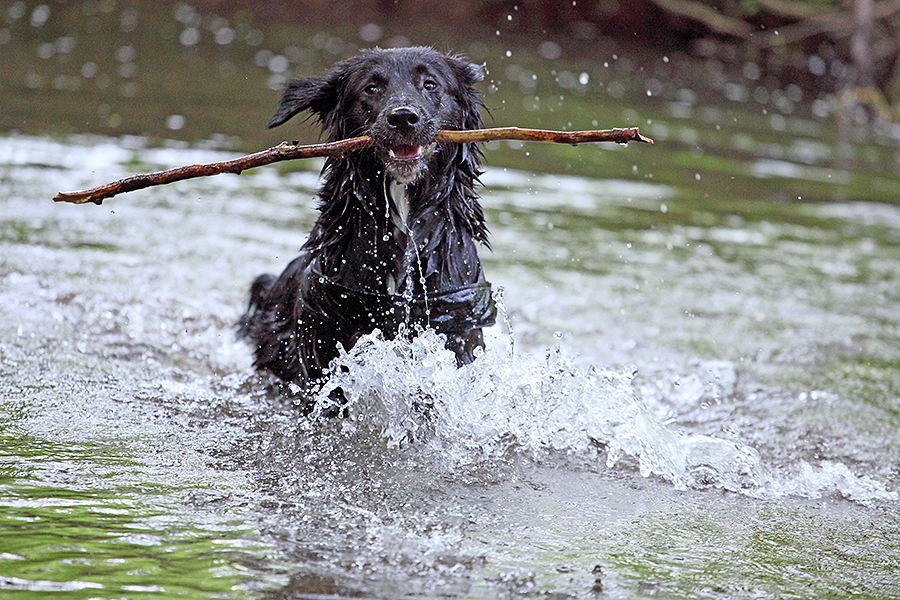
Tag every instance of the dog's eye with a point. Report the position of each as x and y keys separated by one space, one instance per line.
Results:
x=371 y=89
x=429 y=85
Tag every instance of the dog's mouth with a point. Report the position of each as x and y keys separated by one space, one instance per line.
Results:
x=407 y=162
x=406 y=152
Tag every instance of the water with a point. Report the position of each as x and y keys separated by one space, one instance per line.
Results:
x=698 y=398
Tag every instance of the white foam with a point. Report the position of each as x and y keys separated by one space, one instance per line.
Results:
x=509 y=402
x=506 y=401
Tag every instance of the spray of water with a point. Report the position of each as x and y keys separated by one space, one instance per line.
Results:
x=409 y=389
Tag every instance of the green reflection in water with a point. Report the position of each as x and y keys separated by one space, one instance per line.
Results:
x=774 y=551
x=70 y=528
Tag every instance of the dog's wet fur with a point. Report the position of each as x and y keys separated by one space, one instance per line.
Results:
x=395 y=245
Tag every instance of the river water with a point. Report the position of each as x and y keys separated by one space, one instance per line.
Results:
x=693 y=390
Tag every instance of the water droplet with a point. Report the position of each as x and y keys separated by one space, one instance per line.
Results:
x=15 y=12
x=89 y=69
x=224 y=36
x=262 y=58
x=65 y=44
x=370 y=32
x=45 y=51
x=175 y=122
x=817 y=66
x=126 y=70
x=278 y=64
x=40 y=15
x=128 y=20
x=189 y=37
x=185 y=14
x=549 y=50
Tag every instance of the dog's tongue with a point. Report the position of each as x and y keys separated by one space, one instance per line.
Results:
x=405 y=151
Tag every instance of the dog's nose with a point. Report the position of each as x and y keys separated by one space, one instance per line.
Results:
x=403 y=116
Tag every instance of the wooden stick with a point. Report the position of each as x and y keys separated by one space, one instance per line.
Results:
x=621 y=136
x=283 y=151
x=287 y=151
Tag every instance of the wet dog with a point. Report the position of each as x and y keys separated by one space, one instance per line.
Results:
x=395 y=245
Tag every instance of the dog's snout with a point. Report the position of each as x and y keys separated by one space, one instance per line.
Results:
x=403 y=116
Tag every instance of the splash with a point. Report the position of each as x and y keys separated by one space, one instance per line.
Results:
x=409 y=389
x=830 y=479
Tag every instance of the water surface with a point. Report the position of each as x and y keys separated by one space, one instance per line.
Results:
x=698 y=399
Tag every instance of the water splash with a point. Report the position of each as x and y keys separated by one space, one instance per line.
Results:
x=830 y=479
x=410 y=390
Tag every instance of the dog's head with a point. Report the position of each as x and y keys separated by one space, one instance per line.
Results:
x=401 y=97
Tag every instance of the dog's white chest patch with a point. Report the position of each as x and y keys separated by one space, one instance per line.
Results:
x=400 y=208
x=399 y=211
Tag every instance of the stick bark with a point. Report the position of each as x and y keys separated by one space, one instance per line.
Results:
x=287 y=151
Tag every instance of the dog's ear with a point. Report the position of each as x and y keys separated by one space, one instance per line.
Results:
x=467 y=75
x=315 y=94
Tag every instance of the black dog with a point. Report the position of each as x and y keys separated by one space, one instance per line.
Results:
x=395 y=242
